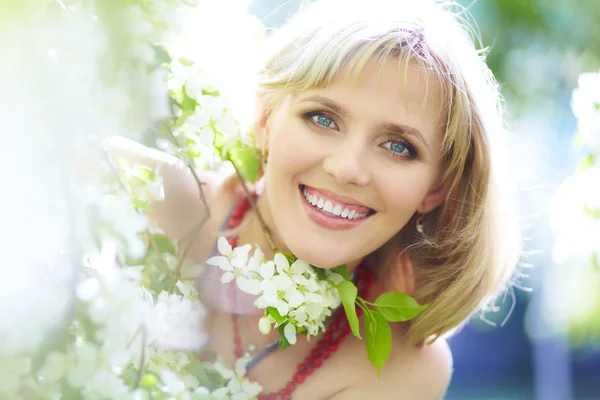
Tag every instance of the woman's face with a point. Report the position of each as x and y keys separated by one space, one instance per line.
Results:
x=350 y=164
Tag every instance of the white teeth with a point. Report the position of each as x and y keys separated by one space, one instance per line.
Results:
x=328 y=207
x=337 y=210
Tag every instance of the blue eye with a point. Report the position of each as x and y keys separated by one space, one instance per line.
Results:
x=323 y=121
x=397 y=147
x=400 y=149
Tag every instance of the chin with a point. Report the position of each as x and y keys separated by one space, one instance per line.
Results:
x=319 y=258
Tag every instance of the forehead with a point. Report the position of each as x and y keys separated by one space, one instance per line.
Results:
x=385 y=90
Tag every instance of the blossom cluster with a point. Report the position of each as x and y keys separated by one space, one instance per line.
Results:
x=575 y=218
x=289 y=289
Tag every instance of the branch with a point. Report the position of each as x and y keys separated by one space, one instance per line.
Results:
x=142 y=360
x=262 y=222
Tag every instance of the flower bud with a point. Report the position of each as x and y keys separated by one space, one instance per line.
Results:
x=264 y=325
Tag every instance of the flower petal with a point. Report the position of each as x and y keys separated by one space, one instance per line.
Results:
x=290 y=333
x=227 y=277
x=282 y=282
x=223 y=246
x=294 y=297
x=282 y=307
x=239 y=260
x=299 y=267
x=281 y=262
x=220 y=261
x=267 y=270
x=250 y=286
x=335 y=278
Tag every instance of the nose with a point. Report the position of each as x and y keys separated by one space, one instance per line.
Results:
x=347 y=165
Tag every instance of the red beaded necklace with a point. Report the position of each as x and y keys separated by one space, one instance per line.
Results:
x=337 y=330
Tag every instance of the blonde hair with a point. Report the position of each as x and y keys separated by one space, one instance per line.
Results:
x=471 y=243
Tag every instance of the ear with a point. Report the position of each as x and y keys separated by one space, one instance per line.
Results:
x=433 y=199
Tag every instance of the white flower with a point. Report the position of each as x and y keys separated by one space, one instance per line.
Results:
x=55 y=367
x=238 y=386
x=586 y=107
x=233 y=263
x=290 y=333
x=172 y=384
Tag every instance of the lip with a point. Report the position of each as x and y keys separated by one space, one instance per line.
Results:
x=327 y=221
x=351 y=201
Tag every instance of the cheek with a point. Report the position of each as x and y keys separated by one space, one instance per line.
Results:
x=402 y=191
x=291 y=147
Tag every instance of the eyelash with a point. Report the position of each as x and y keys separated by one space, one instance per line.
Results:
x=412 y=153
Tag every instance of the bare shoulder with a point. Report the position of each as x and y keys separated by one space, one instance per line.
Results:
x=412 y=373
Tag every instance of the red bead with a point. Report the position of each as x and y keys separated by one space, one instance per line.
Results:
x=287 y=397
x=308 y=360
x=326 y=354
x=318 y=362
x=333 y=347
x=239 y=353
x=346 y=329
x=291 y=386
x=301 y=368
x=282 y=392
x=334 y=327
x=315 y=352
x=328 y=335
x=309 y=370
x=272 y=396
x=299 y=378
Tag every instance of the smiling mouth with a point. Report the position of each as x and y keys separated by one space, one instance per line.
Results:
x=333 y=208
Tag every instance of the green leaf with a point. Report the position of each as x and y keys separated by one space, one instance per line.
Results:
x=272 y=311
x=591 y=211
x=246 y=159
x=343 y=271
x=378 y=339
x=348 y=292
x=164 y=244
x=140 y=204
x=398 y=306
x=585 y=163
x=594 y=261
x=188 y=106
x=290 y=257
x=283 y=342
x=320 y=272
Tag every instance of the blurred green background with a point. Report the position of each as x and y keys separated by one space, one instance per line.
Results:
x=537 y=49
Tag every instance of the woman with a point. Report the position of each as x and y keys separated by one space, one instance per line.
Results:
x=381 y=130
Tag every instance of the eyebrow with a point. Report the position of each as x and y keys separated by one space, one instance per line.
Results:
x=390 y=126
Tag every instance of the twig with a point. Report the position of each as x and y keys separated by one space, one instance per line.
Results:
x=194 y=232
x=142 y=360
x=155 y=247
x=262 y=222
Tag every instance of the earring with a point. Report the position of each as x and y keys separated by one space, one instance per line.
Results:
x=264 y=159
x=420 y=223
